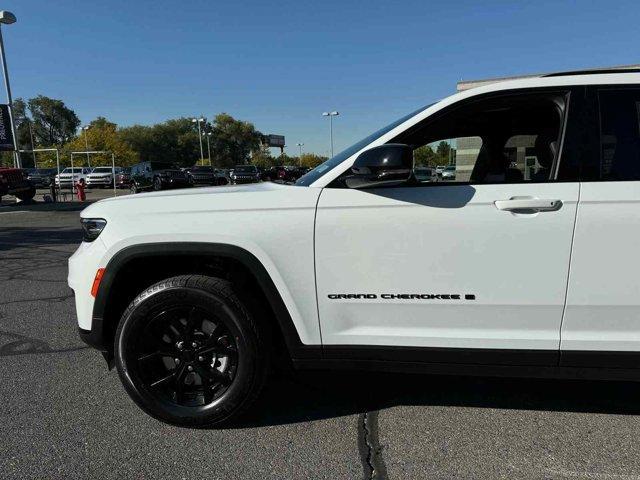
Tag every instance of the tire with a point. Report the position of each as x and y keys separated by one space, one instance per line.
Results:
x=26 y=196
x=133 y=188
x=197 y=322
x=157 y=184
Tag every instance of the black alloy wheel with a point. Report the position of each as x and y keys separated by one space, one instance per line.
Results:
x=157 y=184
x=189 y=353
x=133 y=188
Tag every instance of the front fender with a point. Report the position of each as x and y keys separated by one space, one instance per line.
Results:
x=293 y=327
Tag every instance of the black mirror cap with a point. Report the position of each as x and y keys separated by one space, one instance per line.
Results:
x=390 y=156
x=386 y=165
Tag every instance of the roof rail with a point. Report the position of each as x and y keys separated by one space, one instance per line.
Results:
x=595 y=71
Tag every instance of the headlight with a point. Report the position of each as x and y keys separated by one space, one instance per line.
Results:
x=91 y=228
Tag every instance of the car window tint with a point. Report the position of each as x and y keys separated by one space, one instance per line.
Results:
x=619 y=135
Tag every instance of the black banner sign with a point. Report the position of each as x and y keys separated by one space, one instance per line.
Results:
x=6 y=138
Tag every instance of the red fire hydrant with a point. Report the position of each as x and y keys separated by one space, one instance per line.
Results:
x=80 y=190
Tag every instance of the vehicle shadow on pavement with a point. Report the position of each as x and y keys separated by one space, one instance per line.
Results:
x=21 y=237
x=301 y=397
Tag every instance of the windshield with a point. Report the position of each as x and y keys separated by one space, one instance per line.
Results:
x=313 y=175
x=201 y=168
x=72 y=170
x=102 y=170
x=245 y=169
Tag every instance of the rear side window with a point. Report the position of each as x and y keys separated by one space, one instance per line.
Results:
x=619 y=135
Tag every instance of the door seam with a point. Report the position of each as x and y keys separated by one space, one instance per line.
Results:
x=315 y=273
x=566 y=291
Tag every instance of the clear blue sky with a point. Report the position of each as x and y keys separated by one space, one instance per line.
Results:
x=281 y=64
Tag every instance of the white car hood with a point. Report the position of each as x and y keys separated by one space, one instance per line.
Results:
x=254 y=196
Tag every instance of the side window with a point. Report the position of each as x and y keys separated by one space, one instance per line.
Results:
x=448 y=160
x=619 y=135
x=509 y=139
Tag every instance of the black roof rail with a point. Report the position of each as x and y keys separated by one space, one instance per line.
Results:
x=596 y=71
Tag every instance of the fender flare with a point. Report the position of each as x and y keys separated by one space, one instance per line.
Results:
x=95 y=337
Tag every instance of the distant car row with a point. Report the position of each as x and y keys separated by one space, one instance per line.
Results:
x=441 y=172
x=156 y=176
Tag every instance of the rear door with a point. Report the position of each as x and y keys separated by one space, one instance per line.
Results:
x=602 y=320
x=469 y=270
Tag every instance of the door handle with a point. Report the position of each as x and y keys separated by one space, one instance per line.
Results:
x=528 y=205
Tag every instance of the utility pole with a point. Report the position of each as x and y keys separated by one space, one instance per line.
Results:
x=198 y=120
x=8 y=18
x=331 y=115
x=300 y=145
x=86 y=144
x=209 y=147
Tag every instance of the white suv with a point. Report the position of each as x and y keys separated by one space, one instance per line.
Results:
x=102 y=176
x=525 y=263
x=70 y=176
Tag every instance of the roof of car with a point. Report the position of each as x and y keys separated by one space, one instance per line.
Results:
x=619 y=70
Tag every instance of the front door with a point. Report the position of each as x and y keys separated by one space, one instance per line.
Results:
x=472 y=264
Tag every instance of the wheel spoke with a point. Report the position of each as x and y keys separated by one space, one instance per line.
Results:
x=179 y=379
x=206 y=350
x=164 y=380
x=158 y=353
x=212 y=340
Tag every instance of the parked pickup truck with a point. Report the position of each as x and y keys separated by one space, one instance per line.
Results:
x=510 y=268
x=14 y=181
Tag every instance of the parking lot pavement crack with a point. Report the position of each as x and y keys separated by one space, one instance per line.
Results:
x=370 y=448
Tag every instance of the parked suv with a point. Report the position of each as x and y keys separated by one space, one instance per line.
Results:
x=123 y=179
x=206 y=175
x=14 y=181
x=157 y=176
x=245 y=174
x=102 y=177
x=195 y=295
x=41 y=177
x=71 y=175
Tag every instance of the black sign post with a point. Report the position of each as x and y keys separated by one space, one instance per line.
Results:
x=6 y=135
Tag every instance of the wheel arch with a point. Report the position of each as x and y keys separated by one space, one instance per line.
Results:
x=105 y=308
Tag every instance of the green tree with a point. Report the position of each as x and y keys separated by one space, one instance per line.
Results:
x=311 y=160
x=425 y=156
x=21 y=121
x=263 y=158
x=232 y=141
x=102 y=135
x=442 y=150
x=54 y=124
x=173 y=141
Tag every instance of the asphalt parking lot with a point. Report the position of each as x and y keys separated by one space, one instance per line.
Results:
x=64 y=415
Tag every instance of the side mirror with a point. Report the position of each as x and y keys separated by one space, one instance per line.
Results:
x=387 y=165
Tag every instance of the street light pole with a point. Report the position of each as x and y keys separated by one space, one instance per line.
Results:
x=331 y=115
x=33 y=152
x=8 y=18
x=209 y=147
x=86 y=144
x=300 y=145
x=198 y=120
